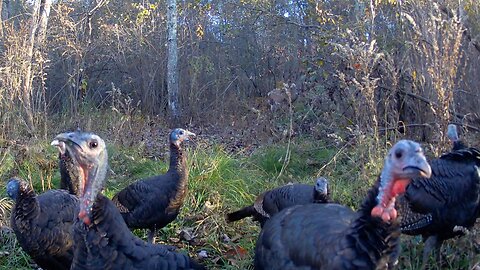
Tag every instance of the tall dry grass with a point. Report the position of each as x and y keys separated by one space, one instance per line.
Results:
x=435 y=60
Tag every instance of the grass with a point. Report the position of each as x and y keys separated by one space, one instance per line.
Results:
x=219 y=183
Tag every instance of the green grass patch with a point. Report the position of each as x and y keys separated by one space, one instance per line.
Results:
x=300 y=159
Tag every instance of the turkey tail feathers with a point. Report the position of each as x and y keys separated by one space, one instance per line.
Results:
x=241 y=214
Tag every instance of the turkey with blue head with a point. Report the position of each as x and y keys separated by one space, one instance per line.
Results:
x=273 y=201
x=154 y=202
x=446 y=204
x=332 y=236
x=452 y=135
x=43 y=223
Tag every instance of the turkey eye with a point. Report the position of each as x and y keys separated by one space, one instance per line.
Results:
x=93 y=144
x=398 y=154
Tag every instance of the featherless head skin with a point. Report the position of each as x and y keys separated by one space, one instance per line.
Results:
x=321 y=185
x=89 y=154
x=404 y=161
x=452 y=133
x=13 y=188
x=179 y=135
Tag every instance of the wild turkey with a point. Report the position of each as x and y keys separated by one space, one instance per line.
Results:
x=440 y=207
x=154 y=202
x=452 y=135
x=43 y=224
x=102 y=239
x=273 y=201
x=332 y=236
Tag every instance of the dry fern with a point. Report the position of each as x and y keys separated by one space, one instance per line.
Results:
x=5 y=207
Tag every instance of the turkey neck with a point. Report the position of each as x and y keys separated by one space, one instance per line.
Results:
x=27 y=206
x=104 y=218
x=107 y=228
x=375 y=236
x=68 y=174
x=177 y=159
x=178 y=165
x=320 y=197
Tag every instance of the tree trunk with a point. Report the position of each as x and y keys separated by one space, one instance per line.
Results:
x=172 y=69
x=1 y=22
x=28 y=79
x=44 y=15
x=6 y=9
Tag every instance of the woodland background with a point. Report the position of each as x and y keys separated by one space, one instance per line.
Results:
x=280 y=76
x=371 y=66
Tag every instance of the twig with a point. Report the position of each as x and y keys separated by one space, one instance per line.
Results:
x=334 y=158
x=409 y=125
x=286 y=160
x=470 y=127
x=423 y=99
x=7 y=151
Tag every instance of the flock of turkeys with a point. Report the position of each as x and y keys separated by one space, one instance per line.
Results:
x=76 y=227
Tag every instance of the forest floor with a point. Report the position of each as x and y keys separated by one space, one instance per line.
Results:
x=227 y=171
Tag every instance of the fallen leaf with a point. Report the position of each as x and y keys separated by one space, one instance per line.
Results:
x=236 y=252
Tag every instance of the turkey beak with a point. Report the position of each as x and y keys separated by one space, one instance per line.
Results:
x=417 y=167
x=189 y=134
x=60 y=146
x=71 y=143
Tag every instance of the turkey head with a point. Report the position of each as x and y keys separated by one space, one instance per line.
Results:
x=179 y=135
x=89 y=155
x=404 y=161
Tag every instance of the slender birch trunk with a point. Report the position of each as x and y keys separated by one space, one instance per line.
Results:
x=28 y=79
x=172 y=68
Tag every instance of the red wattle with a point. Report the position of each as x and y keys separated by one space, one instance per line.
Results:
x=386 y=216
x=83 y=216
x=393 y=213
x=377 y=211
x=400 y=186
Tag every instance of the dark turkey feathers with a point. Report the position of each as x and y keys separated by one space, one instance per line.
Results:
x=111 y=245
x=273 y=201
x=67 y=179
x=332 y=236
x=103 y=240
x=154 y=202
x=434 y=207
x=43 y=224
